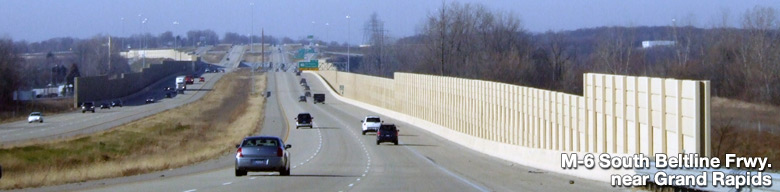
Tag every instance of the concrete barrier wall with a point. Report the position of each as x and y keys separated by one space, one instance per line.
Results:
x=617 y=114
x=159 y=53
x=99 y=88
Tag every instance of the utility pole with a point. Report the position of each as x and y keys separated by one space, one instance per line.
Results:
x=252 y=31
x=443 y=27
x=348 y=44
x=109 y=55
x=122 y=45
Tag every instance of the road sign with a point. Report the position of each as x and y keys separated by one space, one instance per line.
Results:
x=312 y=65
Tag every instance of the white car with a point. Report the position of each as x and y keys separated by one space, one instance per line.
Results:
x=371 y=124
x=35 y=116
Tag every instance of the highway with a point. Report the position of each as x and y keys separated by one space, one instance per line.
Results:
x=75 y=123
x=334 y=156
x=233 y=57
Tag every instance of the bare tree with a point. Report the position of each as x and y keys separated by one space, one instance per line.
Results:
x=615 y=49
x=559 y=55
x=376 y=38
x=759 y=49
x=9 y=80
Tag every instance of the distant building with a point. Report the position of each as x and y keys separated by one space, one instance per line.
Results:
x=649 y=44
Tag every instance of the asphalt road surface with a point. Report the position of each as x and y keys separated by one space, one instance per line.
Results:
x=77 y=123
x=334 y=156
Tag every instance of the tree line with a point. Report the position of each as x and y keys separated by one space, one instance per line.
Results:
x=468 y=40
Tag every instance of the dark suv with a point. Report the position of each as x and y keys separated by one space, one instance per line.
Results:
x=88 y=106
x=304 y=120
x=387 y=133
x=302 y=99
x=319 y=98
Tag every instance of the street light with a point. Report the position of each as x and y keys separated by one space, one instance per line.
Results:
x=312 y=33
x=348 y=43
x=175 y=41
x=143 y=55
x=327 y=30
x=252 y=30
x=122 y=46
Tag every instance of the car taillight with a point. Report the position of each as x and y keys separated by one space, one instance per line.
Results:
x=238 y=153
x=279 y=152
x=378 y=133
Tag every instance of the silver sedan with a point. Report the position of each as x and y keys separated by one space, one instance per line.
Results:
x=262 y=153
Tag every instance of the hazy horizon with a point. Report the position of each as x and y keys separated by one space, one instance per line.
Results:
x=38 y=20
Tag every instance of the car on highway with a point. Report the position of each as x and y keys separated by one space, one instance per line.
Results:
x=319 y=98
x=370 y=124
x=262 y=153
x=303 y=81
x=387 y=133
x=116 y=103
x=88 y=106
x=306 y=88
x=202 y=79
x=307 y=94
x=302 y=99
x=304 y=120
x=105 y=106
x=35 y=116
x=169 y=94
x=150 y=100
x=297 y=73
x=189 y=80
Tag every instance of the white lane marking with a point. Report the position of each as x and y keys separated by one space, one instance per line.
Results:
x=253 y=178
x=228 y=183
x=365 y=151
x=448 y=172
x=191 y=190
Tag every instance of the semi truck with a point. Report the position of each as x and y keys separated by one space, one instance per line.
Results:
x=180 y=83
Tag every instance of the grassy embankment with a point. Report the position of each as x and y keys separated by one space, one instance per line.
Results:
x=745 y=129
x=192 y=133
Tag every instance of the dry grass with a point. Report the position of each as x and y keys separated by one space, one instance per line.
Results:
x=19 y=111
x=213 y=57
x=253 y=57
x=746 y=129
x=192 y=133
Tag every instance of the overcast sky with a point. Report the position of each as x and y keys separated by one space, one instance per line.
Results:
x=35 y=20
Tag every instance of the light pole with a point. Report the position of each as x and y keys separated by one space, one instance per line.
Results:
x=312 y=34
x=121 y=46
x=143 y=54
x=140 y=31
x=348 y=43
x=252 y=30
x=327 y=31
x=175 y=41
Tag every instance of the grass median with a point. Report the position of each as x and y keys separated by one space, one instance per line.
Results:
x=192 y=133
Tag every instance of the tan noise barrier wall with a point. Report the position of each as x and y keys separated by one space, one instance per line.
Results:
x=616 y=114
